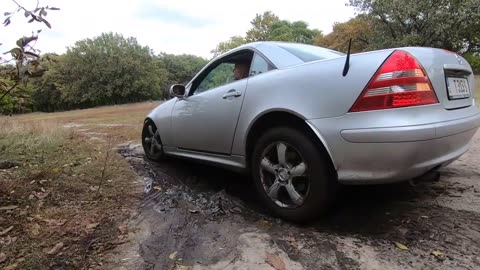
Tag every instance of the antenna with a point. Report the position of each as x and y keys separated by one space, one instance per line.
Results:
x=347 y=61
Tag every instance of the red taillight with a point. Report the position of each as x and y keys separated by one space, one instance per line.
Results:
x=400 y=82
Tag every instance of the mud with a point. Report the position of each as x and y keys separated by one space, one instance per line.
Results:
x=199 y=217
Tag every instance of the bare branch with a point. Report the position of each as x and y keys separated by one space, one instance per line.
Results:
x=8 y=91
x=19 y=6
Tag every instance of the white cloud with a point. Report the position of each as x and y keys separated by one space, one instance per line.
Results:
x=205 y=23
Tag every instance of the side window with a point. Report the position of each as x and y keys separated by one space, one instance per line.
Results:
x=259 y=65
x=222 y=74
x=231 y=68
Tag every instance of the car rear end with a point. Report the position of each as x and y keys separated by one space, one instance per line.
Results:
x=416 y=114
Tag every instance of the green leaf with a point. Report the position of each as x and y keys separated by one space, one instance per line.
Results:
x=20 y=42
x=31 y=20
x=7 y=21
x=27 y=13
x=38 y=31
x=6 y=13
x=24 y=41
x=53 y=8
x=46 y=22
x=43 y=12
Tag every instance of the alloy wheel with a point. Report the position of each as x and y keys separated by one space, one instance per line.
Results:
x=152 y=140
x=283 y=173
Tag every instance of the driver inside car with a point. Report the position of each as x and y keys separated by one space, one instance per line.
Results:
x=241 y=70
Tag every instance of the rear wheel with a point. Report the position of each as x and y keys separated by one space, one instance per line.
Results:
x=152 y=145
x=291 y=175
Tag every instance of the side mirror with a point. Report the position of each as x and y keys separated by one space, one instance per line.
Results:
x=177 y=90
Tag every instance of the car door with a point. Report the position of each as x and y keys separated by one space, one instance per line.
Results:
x=206 y=119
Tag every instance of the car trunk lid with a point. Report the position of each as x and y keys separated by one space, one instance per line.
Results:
x=450 y=74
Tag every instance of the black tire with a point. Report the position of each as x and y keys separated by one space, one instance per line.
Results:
x=322 y=183
x=157 y=154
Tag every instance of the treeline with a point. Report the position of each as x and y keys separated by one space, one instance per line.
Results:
x=105 y=70
x=111 y=69
x=449 y=24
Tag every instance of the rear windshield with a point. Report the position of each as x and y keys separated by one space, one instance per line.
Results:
x=308 y=53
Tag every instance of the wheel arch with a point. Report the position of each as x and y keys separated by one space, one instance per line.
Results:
x=276 y=118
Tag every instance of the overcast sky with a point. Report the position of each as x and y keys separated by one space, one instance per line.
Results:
x=172 y=26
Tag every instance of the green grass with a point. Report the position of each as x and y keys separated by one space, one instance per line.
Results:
x=477 y=89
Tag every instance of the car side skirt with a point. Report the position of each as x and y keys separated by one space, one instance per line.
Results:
x=230 y=162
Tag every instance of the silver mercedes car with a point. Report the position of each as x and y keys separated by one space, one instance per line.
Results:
x=301 y=119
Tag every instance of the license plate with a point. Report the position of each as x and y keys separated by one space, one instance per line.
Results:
x=458 y=88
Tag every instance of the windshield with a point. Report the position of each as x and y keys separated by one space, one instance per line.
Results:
x=308 y=53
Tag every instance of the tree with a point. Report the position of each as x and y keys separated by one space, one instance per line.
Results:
x=359 y=29
x=24 y=54
x=268 y=26
x=297 y=31
x=47 y=94
x=225 y=46
x=19 y=100
x=109 y=69
x=474 y=61
x=181 y=68
x=261 y=27
x=448 y=24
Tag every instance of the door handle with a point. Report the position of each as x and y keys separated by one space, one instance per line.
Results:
x=232 y=93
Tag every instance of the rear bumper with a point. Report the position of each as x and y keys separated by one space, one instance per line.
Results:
x=369 y=163
x=411 y=133
x=393 y=154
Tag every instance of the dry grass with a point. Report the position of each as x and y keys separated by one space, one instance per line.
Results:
x=21 y=140
x=69 y=185
x=127 y=119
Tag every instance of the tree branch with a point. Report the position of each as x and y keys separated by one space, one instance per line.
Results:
x=20 y=5
x=385 y=21
x=364 y=40
x=8 y=91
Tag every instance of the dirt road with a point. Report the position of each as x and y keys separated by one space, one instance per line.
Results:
x=199 y=217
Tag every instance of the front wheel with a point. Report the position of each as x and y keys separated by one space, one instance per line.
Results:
x=152 y=145
x=291 y=175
